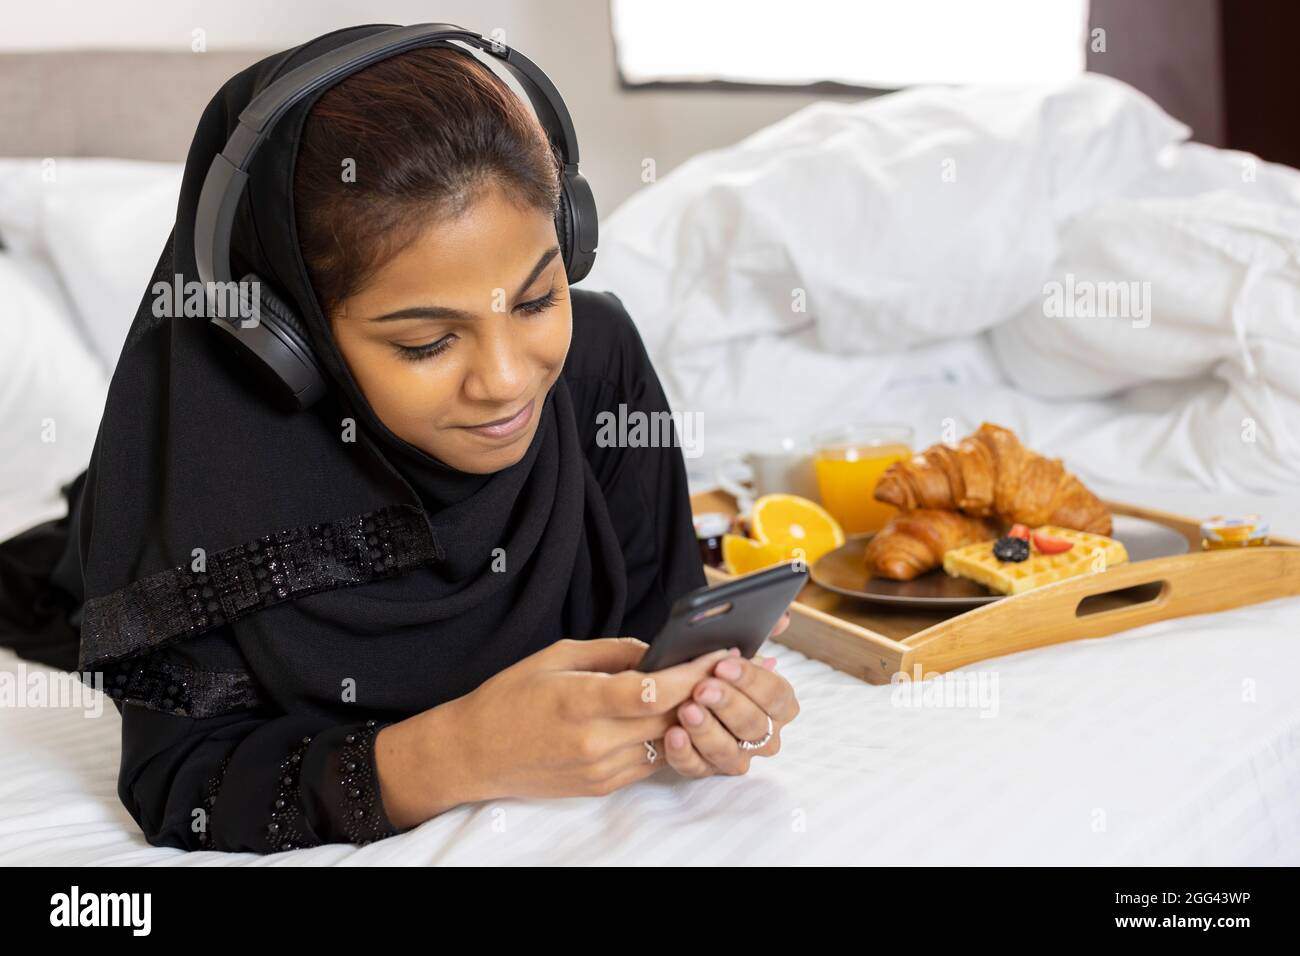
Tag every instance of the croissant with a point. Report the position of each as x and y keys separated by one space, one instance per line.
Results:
x=991 y=473
x=913 y=542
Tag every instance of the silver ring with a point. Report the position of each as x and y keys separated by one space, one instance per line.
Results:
x=650 y=753
x=757 y=744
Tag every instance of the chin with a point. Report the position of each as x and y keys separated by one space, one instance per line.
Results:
x=485 y=461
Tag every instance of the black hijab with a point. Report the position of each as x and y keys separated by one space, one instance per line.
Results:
x=208 y=514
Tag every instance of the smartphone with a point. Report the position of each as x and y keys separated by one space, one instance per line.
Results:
x=739 y=613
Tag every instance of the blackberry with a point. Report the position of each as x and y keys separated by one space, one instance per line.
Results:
x=1011 y=549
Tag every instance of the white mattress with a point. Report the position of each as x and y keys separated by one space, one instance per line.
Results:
x=1178 y=743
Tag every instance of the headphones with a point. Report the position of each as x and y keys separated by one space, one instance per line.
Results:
x=277 y=346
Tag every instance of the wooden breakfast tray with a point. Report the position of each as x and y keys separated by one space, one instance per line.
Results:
x=875 y=641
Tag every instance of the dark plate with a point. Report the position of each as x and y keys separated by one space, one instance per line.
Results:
x=842 y=570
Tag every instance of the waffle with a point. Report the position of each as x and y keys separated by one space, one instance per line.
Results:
x=1090 y=552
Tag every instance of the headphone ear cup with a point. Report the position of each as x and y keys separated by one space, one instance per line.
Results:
x=275 y=345
x=576 y=225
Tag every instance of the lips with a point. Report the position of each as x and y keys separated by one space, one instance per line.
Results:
x=507 y=427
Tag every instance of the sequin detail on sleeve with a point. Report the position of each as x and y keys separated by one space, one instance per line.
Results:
x=364 y=817
x=173 y=688
x=210 y=801
x=286 y=831
x=238 y=581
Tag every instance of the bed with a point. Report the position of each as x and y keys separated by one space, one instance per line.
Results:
x=1177 y=743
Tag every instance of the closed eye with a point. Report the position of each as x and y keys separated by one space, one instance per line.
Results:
x=534 y=306
x=416 y=353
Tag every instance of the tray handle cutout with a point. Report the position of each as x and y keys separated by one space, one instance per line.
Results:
x=1118 y=599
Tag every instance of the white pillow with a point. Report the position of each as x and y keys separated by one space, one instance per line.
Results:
x=896 y=221
x=52 y=393
x=1164 y=289
x=102 y=223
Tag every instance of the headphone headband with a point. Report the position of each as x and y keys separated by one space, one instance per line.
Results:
x=228 y=174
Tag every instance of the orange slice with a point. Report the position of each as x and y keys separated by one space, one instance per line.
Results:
x=744 y=555
x=790 y=524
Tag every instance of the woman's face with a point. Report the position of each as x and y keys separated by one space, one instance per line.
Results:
x=456 y=340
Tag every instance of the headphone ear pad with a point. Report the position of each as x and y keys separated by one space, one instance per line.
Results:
x=563 y=230
x=275 y=346
x=278 y=311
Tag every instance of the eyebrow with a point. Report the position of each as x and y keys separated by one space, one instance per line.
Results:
x=443 y=312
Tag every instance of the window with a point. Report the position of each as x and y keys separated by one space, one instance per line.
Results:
x=880 y=44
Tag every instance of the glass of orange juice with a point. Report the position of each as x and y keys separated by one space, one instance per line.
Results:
x=849 y=461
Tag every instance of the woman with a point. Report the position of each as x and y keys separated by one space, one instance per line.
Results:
x=333 y=625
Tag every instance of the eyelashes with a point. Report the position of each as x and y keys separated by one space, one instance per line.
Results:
x=417 y=353
x=537 y=306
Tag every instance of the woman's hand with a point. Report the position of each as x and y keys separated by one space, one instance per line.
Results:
x=571 y=720
x=731 y=705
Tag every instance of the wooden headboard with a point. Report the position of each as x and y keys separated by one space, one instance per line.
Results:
x=130 y=104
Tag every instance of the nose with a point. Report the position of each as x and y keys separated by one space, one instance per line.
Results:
x=500 y=372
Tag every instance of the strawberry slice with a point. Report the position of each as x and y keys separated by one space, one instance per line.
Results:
x=1019 y=531
x=1047 y=545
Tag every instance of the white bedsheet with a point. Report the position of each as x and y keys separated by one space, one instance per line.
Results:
x=1177 y=743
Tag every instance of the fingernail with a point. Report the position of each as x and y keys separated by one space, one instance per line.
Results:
x=770 y=663
x=730 y=669
x=734 y=652
x=710 y=695
x=692 y=715
x=676 y=738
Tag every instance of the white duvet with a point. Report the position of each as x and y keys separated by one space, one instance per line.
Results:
x=906 y=258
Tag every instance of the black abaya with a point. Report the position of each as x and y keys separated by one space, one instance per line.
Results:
x=170 y=763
